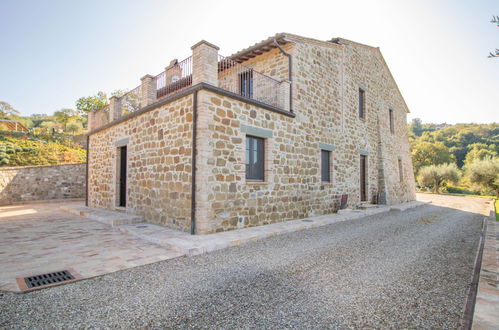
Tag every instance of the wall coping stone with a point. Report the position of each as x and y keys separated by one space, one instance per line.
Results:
x=206 y=43
x=37 y=166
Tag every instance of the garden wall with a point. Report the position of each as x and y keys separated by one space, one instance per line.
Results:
x=34 y=183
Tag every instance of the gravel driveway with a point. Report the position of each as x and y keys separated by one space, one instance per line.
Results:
x=398 y=269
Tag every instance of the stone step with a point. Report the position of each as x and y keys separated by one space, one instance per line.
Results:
x=108 y=217
x=365 y=206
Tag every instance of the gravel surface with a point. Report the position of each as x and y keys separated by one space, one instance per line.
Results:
x=398 y=269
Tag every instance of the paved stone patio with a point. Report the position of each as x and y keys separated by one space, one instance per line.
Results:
x=41 y=238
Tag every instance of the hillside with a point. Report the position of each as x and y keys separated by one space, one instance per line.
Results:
x=23 y=150
x=464 y=157
x=433 y=144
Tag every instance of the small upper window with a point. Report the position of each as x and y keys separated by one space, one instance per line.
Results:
x=401 y=173
x=325 y=166
x=362 y=103
x=392 y=126
x=254 y=158
x=246 y=84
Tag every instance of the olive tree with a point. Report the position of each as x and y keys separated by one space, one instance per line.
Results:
x=485 y=175
x=434 y=176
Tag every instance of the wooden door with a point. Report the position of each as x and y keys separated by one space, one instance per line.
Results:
x=363 y=174
x=123 y=165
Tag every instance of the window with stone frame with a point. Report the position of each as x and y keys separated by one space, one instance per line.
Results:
x=255 y=158
x=325 y=166
x=362 y=103
x=392 y=124
x=401 y=170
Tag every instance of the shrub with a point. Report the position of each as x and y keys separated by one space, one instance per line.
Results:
x=457 y=190
x=434 y=176
x=484 y=174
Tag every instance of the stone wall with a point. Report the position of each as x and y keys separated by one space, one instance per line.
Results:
x=33 y=183
x=159 y=147
x=326 y=80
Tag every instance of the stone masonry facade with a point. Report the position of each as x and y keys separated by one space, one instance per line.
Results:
x=159 y=147
x=35 y=183
x=323 y=114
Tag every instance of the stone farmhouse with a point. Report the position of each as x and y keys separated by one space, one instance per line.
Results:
x=278 y=131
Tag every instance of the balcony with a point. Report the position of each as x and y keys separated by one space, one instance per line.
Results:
x=204 y=66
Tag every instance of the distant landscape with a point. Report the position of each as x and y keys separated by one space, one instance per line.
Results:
x=461 y=158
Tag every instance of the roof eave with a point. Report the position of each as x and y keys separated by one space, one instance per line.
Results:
x=259 y=48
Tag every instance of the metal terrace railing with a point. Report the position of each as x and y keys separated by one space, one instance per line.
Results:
x=176 y=77
x=245 y=81
x=232 y=76
x=131 y=101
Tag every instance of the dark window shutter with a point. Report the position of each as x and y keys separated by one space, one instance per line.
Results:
x=362 y=103
x=325 y=166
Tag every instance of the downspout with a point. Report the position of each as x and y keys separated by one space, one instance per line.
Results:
x=290 y=73
x=86 y=171
x=193 y=162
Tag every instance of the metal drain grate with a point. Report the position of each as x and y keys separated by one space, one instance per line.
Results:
x=47 y=279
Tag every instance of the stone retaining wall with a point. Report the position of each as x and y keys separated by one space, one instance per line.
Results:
x=33 y=183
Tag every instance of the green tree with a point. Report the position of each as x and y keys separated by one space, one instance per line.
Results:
x=47 y=126
x=26 y=121
x=434 y=176
x=74 y=126
x=479 y=151
x=64 y=115
x=416 y=126
x=6 y=110
x=91 y=103
x=495 y=20
x=485 y=175
x=426 y=153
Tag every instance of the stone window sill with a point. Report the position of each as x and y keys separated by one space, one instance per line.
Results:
x=256 y=182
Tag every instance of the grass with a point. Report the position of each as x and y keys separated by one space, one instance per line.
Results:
x=496 y=204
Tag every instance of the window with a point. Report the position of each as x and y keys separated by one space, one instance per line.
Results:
x=325 y=166
x=401 y=173
x=392 y=127
x=246 y=84
x=362 y=103
x=254 y=158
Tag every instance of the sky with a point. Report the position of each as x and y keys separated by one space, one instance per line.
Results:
x=53 y=52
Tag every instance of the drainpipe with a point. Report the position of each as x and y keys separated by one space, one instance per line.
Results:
x=86 y=171
x=290 y=75
x=193 y=162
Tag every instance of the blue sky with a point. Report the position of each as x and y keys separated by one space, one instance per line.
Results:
x=53 y=52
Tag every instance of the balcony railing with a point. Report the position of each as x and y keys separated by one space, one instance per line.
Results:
x=231 y=76
x=131 y=101
x=174 y=79
x=247 y=82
